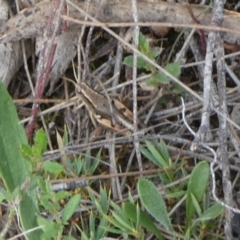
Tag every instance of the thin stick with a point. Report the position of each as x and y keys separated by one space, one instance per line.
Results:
x=134 y=85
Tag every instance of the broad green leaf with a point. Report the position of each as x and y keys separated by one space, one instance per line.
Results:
x=153 y=201
x=53 y=167
x=130 y=210
x=196 y=186
x=14 y=169
x=70 y=208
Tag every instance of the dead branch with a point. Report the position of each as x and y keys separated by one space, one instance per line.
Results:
x=31 y=21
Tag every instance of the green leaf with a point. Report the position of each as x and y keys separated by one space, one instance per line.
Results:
x=144 y=220
x=143 y=44
x=53 y=167
x=152 y=200
x=160 y=77
x=196 y=186
x=14 y=169
x=26 y=152
x=149 y=155
x=196 y=205
x=177 y=89
x=50 y=228
x=62 y=195
x=123 y=223
x=40 y=142
x=68 y=238
x=141 y=63
x=104 y=200
x=164 y=152
x=92 y=223
x=212 y=212
x=173 y=68
x=128 y=61
x=101 y=230
x=70 y=208
x=157 y=155
x=175 y=194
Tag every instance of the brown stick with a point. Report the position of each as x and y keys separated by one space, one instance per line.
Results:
x=45 y=61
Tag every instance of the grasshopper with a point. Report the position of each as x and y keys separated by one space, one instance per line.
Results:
x=110 y=114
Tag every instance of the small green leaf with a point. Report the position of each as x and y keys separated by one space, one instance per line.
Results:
x=157 y=155
x=26 y=151
x=92 y=223
x=130 y=210
x=53 y=167
x=50 y=228
x=175 y=194
x=70 y=208
x=177 y=89
x=141 y=63
x=40 y=142
x=123 y=223
x=101 y=230
x=143 y=44
x=128 y=61
x=62 y=195
x=196 y=205
x=152 y=200
x=149 y=155
x=160 y=77
x=142 y=40
x=104 y=200
x=173 y=68
x=196 y=186
x=212 y=212
x=164 y=152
